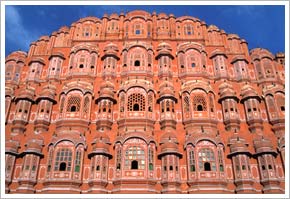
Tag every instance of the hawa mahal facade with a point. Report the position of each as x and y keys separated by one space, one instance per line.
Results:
x=144 y=103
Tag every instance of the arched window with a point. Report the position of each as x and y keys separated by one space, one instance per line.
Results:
x=134 y=164
x=206 y=160
x=136 y=102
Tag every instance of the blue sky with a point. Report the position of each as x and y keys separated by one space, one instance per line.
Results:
x=260 y=26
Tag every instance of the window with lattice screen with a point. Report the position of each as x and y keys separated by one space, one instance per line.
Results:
x=50 y=156
x=93 y=60
x=63 y=160
x=167 y=106
x=199 y=103
x=149 y=59
x=191 y=161
x=122 y=102
x=150 y=102
x=61 y=104
x=220 y=160
x=73 y=104
x=78 y=161
x=186 y=104
x=86 y=104
x=211 y=103
x=7 y=103
x=206 y=160
x=151 y=159
x=135 y=158
x=118 y=159
x=136 y=102
x=9 y=160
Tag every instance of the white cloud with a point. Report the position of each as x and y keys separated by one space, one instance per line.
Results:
x=16 y=33
x=242 y=10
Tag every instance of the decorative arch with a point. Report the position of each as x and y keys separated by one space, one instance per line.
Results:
x=75 y=102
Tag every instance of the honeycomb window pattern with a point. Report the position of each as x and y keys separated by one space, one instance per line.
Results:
x=199 y=103
x=136 y=102
x=73 y=104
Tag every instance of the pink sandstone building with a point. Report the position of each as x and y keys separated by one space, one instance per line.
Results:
x=144 y=103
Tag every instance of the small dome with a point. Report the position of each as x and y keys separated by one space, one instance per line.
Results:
x=163 y=45
x=17 y=56
x=11 y=145
x=34 y=143
x=64 y=29
x=44 y=38
x=106 y=92
x=217 y=52
x=106 y=84
x=169 y=146
x=166 y=88
x=114 y=16
x=101 y=145
x=248 y=90
x=226 y=90
x=233 y=36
